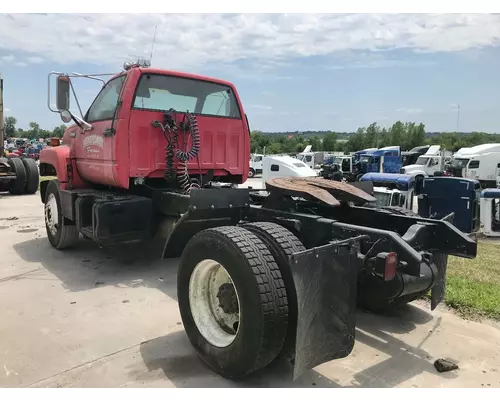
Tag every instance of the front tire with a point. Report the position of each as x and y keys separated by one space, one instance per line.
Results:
x=251 y=173
x=232 y=300
x=61 y=235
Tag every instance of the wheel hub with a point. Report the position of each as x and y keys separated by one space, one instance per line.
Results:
x=227 y=298
x=214 y=303
x=51 y=214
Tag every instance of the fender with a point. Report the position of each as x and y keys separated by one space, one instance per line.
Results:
x=56 y=161
x=417 y=172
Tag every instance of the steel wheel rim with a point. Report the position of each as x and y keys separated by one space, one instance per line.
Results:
x=213 y=300
x=51 y=214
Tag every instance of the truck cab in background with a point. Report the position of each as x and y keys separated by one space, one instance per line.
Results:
x=432 y=161
x=384 y=160
x=490 y=212
x=410 y=157
x=392 y=190
x=440 y=196
x=478 y=162
x=255 y=165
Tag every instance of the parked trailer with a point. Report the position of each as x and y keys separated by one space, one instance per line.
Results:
x=260 y=276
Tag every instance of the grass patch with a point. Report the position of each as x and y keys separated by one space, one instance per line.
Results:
x=473 y=286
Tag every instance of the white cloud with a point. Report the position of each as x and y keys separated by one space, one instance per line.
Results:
x=410 y=110
x=6 y=110
x=35 y=60
x=188 y=40
x=7 y=59
x=261 y=106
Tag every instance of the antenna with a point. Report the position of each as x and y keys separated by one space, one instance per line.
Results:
x=153 y=46
x=458 y=115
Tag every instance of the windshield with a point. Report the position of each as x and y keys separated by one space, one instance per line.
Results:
x=383 y=199
x=459 y=162
x=366 y=159
x=422 y=160
x=163 y=92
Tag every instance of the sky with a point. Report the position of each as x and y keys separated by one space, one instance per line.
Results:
x=293 y=72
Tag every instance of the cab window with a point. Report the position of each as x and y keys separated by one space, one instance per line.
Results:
x=104 y=105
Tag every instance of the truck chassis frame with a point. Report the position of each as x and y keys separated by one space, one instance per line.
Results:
x=344 y=248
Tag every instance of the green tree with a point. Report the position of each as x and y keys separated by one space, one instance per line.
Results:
x=58 y=131
x=329 y=142
x=372 y=135
x=10 y=126
x=315 y=142
x=397 y=133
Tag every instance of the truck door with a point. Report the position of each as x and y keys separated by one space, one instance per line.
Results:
x=472 y=170
x=95 y=149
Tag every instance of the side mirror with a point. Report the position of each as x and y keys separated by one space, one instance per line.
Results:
x=62 y=92
x=66 y=116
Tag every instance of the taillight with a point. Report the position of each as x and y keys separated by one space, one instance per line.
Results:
x=391 y=264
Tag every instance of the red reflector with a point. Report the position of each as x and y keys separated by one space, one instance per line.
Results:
x=391 y=264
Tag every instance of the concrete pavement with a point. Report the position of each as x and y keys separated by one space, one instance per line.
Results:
x=92 y=317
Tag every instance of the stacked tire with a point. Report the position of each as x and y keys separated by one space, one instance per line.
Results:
x=27 y=176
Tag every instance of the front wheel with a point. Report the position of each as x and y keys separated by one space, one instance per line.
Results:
x=232 y=300
x=251 y=173
x=61 y=235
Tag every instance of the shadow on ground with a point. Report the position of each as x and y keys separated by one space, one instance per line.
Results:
x=88 y=266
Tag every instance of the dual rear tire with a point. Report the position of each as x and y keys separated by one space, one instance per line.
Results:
x=236 y=296
x=27 y=176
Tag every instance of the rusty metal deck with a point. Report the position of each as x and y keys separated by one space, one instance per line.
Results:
x=324 y=190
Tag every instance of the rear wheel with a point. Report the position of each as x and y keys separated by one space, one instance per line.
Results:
x=61 y=234
x=251 y=173
x=282 y=243
x=232 y=300
x=32 y=175
x=17 y=186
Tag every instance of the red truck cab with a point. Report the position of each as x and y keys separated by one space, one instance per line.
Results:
x=115 y=143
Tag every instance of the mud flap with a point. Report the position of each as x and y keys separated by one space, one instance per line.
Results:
x=440 y=260
x=439 y=289
x=326 y=284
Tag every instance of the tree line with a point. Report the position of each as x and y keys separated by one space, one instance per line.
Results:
x=34 y=131
x=404 y=134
